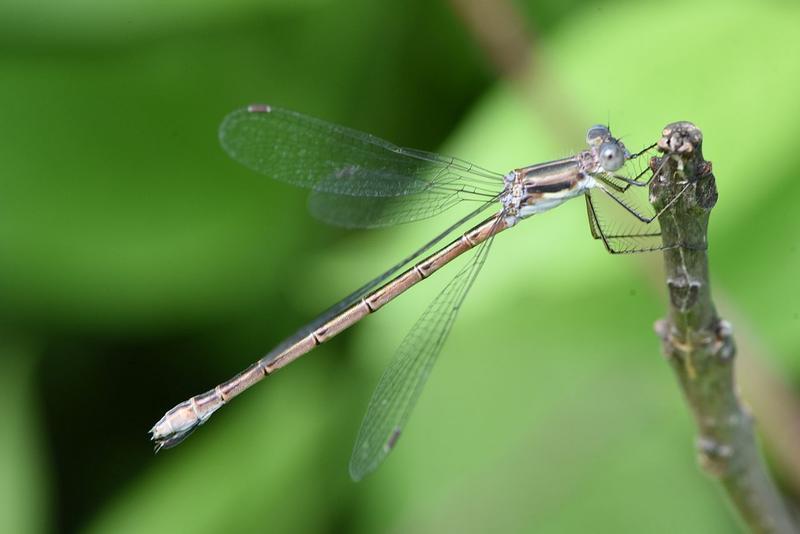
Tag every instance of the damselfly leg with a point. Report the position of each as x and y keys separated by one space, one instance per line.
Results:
x=619 y=212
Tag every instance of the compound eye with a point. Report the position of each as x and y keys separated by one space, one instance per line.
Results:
x=597 y=134
x=611 y=156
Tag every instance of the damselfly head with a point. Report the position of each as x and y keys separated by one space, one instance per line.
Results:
x=610 y=152
x=597 y=134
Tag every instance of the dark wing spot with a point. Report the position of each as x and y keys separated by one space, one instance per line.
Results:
x=392 y=441
x=259 y=108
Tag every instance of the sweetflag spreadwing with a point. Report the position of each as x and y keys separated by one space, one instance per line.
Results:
x=357 y=180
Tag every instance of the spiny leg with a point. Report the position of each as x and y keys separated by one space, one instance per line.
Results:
x=590 y=214
x=628 y=181
x=635 y=181
x=608 y=239
x=643 y=151
x=632 y=210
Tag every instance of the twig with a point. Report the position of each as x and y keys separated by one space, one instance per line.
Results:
x=698 y=344
x=510 y=43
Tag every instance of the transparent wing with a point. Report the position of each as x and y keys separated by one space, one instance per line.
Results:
x=402 y=382
x=371 y=212
x=338 y=163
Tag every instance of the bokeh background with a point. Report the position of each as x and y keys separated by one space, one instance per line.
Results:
x=140 y=266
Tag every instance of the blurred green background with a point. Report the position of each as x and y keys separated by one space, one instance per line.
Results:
x=140 y=266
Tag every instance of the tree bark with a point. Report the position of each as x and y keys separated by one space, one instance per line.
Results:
x=697 y=343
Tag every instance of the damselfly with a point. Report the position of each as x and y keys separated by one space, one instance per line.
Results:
x=358 y=180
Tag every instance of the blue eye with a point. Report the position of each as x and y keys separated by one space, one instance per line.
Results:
x=611 y=156
x=597 y=134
